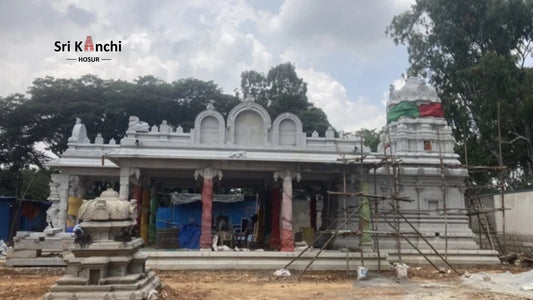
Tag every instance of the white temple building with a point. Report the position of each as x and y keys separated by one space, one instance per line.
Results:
x=299 y=181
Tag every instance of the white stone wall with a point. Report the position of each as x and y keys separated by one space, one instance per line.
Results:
x=518 y=220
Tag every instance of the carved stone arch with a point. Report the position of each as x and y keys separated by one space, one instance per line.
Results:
x=287 y=130
x=209 y=127
x=249 y=111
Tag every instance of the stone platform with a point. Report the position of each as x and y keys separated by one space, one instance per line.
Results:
x=128 y=287
x=258 y=260
x=329 y=260
x=39 y=249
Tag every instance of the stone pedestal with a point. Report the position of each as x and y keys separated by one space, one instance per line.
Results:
x=105 y=262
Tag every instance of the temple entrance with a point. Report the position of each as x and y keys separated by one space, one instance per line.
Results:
x=245 y=212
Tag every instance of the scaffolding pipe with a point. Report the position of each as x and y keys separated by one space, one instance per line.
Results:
x=327 y=242
x=443 y=189
x=429 y=244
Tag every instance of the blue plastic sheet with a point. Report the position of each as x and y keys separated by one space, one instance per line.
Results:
x=190 y=236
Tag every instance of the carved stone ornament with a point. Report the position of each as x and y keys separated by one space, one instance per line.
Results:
x=287 y=175
x=208 y=173
x=107 y=207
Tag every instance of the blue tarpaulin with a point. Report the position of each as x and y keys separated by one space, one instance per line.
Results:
x=189 y=236
x=6 y=203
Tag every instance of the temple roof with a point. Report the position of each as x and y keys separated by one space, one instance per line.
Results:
x=415 y=90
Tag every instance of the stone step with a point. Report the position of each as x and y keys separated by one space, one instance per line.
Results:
x=258 y=260
x=36 y=262
x=454 y=257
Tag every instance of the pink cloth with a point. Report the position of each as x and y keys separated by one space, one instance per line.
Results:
x=287 y=239
x=275 y=242
x=207 y=214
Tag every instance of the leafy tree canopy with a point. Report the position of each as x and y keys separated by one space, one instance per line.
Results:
x=474 y=53
x=105 y=105
x=371 y=138
x=49 y=111
x=281 y=90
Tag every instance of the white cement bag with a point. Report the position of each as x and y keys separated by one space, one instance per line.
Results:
x=282 y=273
x=401 y=270
x=362 y=273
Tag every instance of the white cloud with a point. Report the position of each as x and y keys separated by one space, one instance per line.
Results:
x=318 y=28
x=397 y=84
x=331 y=43
x=344 y=114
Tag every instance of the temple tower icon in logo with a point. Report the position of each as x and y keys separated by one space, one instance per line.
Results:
x=88 y=44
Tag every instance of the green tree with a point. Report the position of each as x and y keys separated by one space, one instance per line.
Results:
x=35 y=184
x=105 y=105
x=371 y=138
x=474 y=53
x=254 y=84
x=53 y=104
x=17 y=140
x=281 y=90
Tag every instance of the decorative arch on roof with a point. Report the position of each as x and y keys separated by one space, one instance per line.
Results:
x=287 y=130
x=209 y=127
x=248 y=124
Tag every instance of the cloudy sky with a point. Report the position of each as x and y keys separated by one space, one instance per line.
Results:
x=338 y=47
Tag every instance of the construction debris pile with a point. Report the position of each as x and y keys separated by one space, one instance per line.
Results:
x=517 y=284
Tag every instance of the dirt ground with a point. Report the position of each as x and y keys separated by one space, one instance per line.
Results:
x=424 y=283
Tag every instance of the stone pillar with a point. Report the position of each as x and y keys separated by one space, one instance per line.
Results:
x=312 y=212
x=128 y=175
x=287 y=238
x=275 y=242
x=365 y=218
x=207 y=204
x=137 y=195
x=62 y=191
x=56 y=214
x=312 y=207
x=124 y=183
x=135 y=179
x=145 y=213
x=152 y=216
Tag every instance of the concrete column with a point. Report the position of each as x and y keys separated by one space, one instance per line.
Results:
x=207 y=204
x=287 y=238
